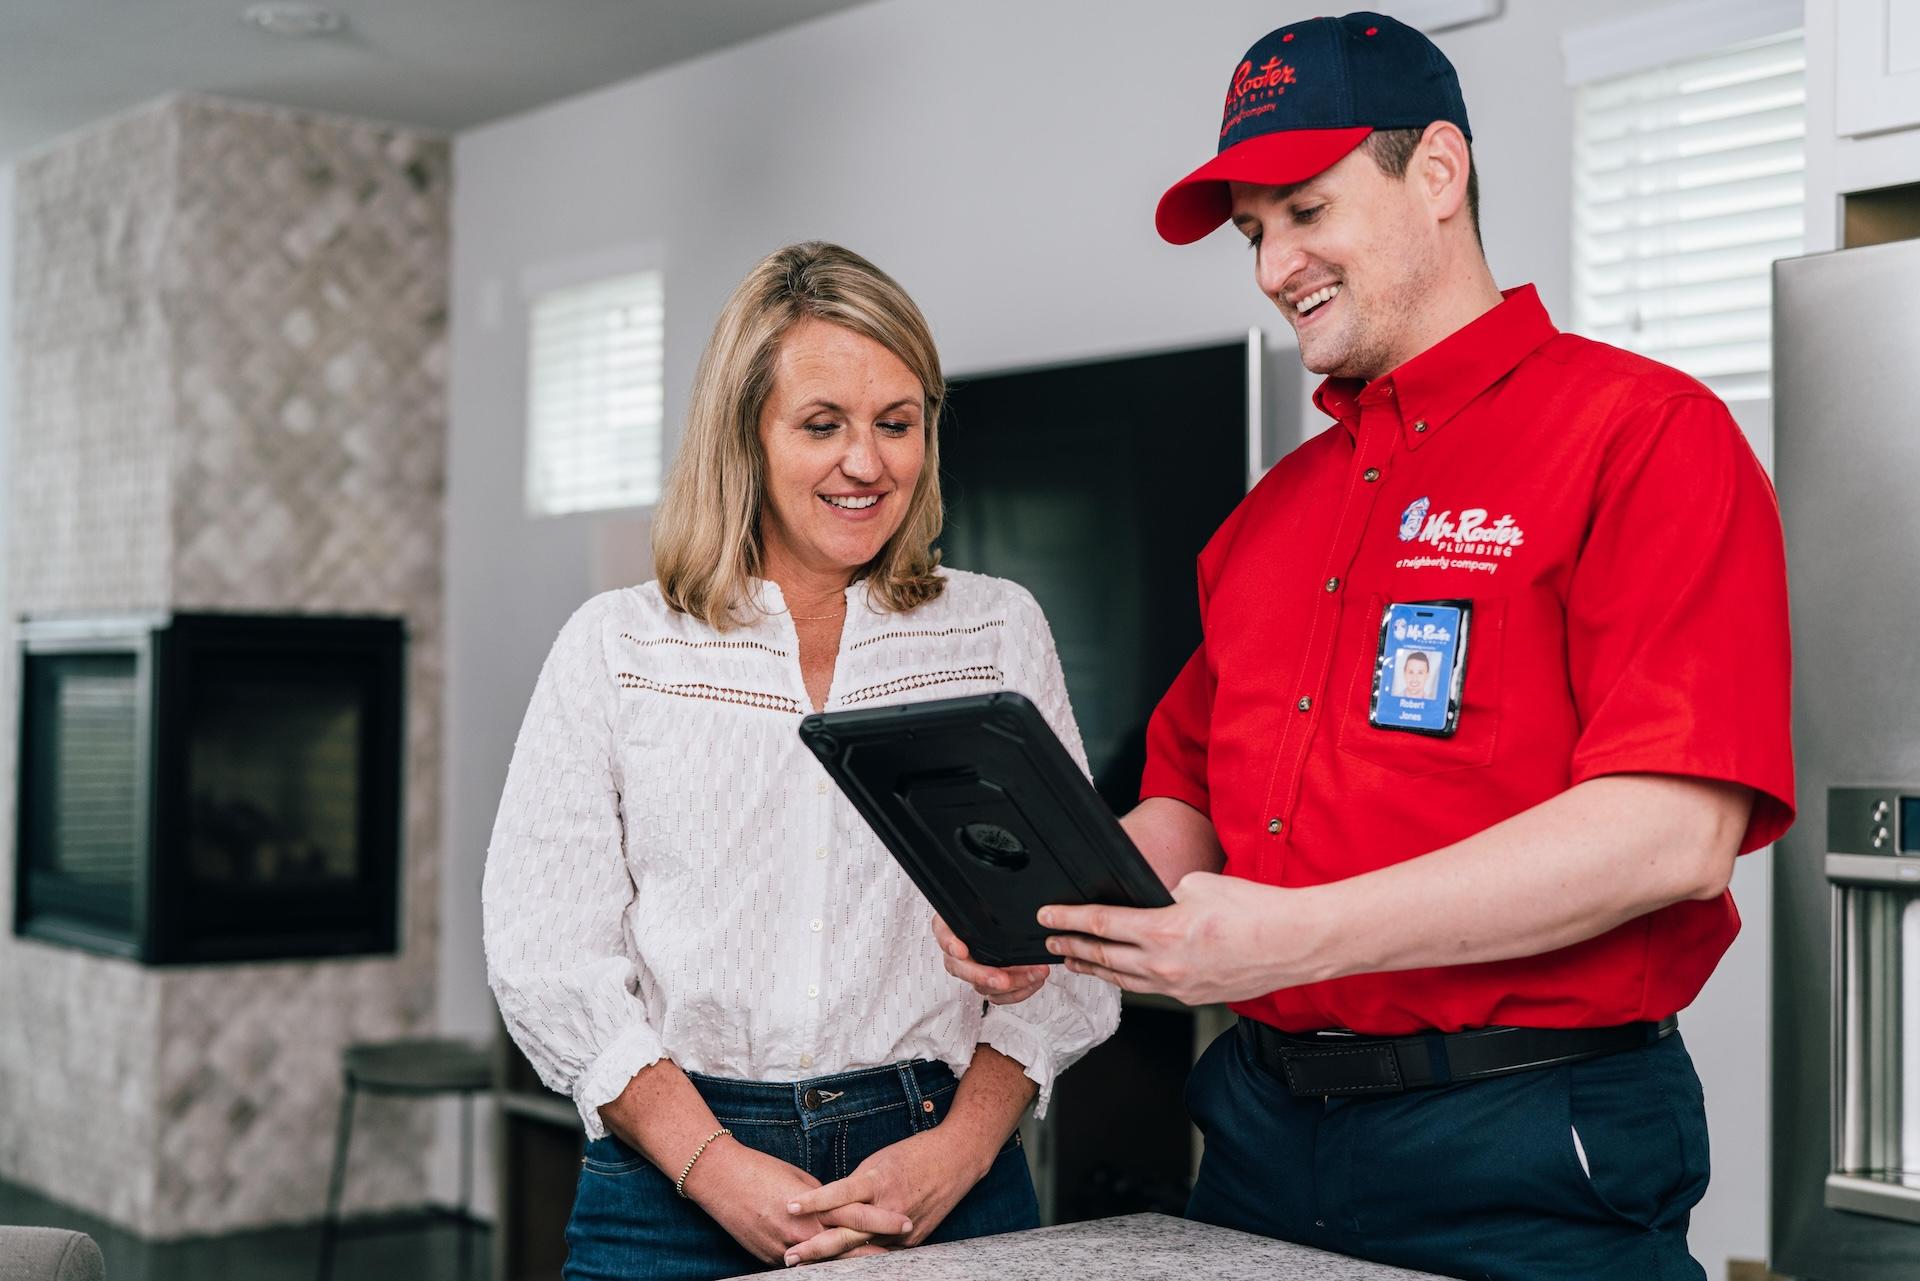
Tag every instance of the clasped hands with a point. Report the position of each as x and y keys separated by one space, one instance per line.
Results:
x=1224 y=939
x=894 y=1198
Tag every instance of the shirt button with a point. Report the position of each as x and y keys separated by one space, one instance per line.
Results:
x=1333 y=584
x=815 y=925
x=1419 y=424
x=820 y=851
x=1305 y=704
x=812 y=991
x=806 y=1060
x=1274 y=825
x=821 y=787
x=1370 y=475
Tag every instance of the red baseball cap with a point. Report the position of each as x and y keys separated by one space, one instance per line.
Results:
x=1303 y=97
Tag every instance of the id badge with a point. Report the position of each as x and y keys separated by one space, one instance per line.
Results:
x=1421 y=667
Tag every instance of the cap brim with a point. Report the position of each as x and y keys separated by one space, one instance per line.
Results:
x=1200 y=201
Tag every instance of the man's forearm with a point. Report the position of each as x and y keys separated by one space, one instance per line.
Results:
x=1175 y=837
x=1569 y=869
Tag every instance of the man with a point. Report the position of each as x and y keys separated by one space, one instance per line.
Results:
x=1415 y=667
x=1456 y=1047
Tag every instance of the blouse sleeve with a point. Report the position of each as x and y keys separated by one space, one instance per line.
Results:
x=556 y=888
x=1071 y=1013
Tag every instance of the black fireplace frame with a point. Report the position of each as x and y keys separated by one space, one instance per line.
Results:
x=174 y=922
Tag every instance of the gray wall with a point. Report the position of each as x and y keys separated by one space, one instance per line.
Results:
x=1002 y=160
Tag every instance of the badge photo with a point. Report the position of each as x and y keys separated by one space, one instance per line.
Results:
x=1420 y=667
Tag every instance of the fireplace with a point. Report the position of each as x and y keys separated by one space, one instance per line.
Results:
x=210 y=787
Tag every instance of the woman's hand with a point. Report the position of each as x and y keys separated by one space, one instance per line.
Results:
x=1001 y=986
x=748 y=1193
x=921 y=1178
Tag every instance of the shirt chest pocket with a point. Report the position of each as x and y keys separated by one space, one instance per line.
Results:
x=1476 y=736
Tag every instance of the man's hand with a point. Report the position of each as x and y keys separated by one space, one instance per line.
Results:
x=920 y=1178
x=747 y=1193
x=1001 y=986
x=1224 y=939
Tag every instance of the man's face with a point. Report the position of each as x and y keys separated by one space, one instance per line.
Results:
x=1349 y=257
x=1414 y=674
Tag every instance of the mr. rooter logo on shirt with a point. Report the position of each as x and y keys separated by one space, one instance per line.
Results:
x=1469 y=533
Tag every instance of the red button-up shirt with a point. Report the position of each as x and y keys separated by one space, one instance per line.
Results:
x=1621 y=546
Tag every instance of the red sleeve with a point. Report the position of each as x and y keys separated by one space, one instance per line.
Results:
x=1178 y=732
x=1677 y=636
x=1177 y=737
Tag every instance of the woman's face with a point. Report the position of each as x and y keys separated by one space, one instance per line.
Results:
x=843 y=433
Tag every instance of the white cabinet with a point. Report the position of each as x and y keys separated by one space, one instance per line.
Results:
x=1877 y=87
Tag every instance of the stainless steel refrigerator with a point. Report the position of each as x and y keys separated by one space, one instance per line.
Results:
x=1846 y=896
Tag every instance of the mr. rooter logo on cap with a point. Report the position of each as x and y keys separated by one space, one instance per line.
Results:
x=1269 y=82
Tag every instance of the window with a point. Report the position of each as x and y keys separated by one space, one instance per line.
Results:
x=594 y=397
x=1689 y=180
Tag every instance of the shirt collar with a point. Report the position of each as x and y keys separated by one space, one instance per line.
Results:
x=766 y=598
x=1438 y=383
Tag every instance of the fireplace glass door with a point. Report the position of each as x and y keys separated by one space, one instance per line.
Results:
x=213 y=787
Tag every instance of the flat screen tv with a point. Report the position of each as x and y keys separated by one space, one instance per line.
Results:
x=1095 y=485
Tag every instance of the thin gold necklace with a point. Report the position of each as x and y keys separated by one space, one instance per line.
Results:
x=814 y=618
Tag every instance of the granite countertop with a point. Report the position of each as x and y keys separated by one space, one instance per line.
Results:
x=1136 y=1246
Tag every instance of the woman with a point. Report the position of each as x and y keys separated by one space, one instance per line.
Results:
x=688 y=929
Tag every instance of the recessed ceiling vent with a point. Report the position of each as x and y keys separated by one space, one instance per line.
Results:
x=292 y=19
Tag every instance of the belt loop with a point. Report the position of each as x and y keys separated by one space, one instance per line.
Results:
x=910 y=1084
x=1437 y=1061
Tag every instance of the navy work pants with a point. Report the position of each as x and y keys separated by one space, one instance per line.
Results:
x=1482 y=1180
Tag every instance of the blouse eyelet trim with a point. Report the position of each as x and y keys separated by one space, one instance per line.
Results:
x=921 y=680
x=915 y=635
x=712 y=693
x=712 y=644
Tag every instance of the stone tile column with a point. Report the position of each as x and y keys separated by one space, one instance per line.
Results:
x=229 y=350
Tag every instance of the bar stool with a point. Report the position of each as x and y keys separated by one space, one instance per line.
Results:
x=419 y=1067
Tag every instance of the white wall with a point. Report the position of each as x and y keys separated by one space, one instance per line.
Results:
x=1002 y=159
x=6 y=403
x=7 y=642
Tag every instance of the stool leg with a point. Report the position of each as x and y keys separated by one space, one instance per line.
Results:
x=331 y=1224
x=466 y=1182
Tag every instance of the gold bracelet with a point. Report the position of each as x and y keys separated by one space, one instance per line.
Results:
x=680 y=1184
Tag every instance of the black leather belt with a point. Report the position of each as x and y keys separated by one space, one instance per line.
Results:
x=1318 y=1064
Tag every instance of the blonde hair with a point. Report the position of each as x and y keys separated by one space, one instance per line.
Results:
x=706 y=531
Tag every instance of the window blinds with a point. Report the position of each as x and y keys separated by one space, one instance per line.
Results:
x=1689 y=180
x=594 y=396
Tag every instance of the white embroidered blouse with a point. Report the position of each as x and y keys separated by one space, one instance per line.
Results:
x=672 y=874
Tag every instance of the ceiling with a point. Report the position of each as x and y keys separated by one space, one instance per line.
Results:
x=441 y=64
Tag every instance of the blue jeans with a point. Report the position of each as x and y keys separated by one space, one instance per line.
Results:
x=629 y=1225
x=1477 y=1180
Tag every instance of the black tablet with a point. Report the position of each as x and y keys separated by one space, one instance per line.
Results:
x=983 y=807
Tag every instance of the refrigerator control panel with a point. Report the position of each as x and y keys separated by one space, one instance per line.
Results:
x=1873 y=820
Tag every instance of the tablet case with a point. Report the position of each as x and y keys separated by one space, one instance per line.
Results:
x=987 y=813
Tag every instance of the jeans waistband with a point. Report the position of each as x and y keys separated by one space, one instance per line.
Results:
x=826 y=1100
